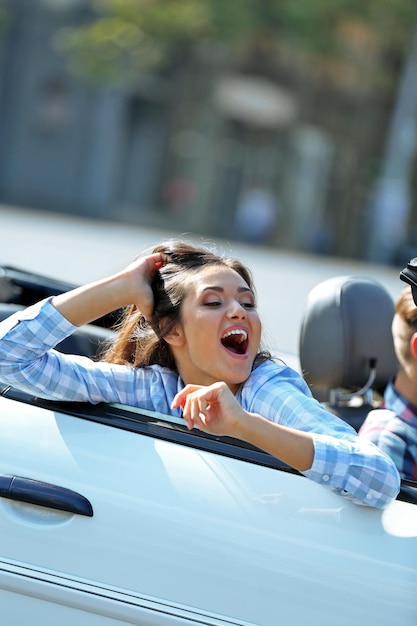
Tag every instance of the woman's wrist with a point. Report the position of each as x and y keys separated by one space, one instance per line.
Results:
x=247 y=426
x=293 y=447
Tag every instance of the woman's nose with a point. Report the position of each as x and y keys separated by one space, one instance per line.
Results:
x=236 y=310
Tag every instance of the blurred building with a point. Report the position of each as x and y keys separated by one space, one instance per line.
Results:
x=179 y=149
x=176 y=150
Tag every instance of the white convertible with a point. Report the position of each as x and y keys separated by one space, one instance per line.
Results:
x=110 y=515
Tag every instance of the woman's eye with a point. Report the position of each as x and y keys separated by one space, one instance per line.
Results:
x=249 y=305
x=213 y=303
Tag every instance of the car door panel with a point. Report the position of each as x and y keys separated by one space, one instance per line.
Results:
x=196 y=531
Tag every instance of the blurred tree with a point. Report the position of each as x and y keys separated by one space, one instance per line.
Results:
x=341 y=61
x=3 y=17
x=123 y=38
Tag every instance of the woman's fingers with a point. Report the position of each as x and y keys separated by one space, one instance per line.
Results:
x=193 y=411
x=143 y=273
x=180 y=398
x=197 y=405
x=156 y=261
x=191 y=401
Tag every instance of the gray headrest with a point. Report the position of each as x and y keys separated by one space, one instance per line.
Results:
x=347 y=322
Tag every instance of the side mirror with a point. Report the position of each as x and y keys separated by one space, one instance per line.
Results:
x=409 y=275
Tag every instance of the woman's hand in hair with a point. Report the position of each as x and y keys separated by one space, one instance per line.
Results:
x=140 y=275
x=130 y=286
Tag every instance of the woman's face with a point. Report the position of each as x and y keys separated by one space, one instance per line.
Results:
x=220 y=330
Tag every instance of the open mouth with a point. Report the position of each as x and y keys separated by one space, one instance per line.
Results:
x=236 y=341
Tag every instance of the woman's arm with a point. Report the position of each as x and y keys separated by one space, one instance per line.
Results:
x=29 y=362
x=215 y=410
x=334 y=456
x=130 y=286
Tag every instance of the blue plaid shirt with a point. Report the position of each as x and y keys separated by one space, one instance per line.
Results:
x=393 y=428
x=347 y=464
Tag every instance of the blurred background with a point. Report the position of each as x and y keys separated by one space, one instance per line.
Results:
x=285 y=123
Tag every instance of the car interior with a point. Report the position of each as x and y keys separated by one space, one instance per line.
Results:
x=346 y=349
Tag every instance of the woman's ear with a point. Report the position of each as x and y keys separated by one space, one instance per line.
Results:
x=175 y=337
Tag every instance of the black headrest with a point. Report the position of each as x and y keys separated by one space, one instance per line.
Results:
x=346 y=325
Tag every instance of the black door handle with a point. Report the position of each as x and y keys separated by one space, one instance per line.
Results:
x=44 y=494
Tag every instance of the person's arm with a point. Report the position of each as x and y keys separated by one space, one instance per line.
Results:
x=130 y=286
x=215 y=410
x=293 y=447
x=334 y=456
x=29 y=362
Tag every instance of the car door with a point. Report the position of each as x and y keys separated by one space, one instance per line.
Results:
x=180 y=533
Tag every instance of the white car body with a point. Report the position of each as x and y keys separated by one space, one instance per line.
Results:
x=184 y=535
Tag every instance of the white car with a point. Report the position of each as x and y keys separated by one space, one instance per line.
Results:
x=111 y=515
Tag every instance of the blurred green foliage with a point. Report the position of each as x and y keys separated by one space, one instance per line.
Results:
x=126 y=37
x=3 y=17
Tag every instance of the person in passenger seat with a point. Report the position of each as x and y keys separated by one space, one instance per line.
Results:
x=189 y=344
x=393 y=427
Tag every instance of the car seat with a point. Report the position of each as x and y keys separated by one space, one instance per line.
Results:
x=346 y=347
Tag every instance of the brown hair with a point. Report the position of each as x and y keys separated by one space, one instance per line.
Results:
x=141 y=343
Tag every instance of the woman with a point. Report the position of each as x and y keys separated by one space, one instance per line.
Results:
x=189 y=343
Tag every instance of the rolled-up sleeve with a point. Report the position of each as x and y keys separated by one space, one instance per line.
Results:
x=355 y=469
x=29 y=362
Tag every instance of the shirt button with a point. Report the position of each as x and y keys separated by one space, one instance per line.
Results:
x=326 y=478
x=369 y=496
